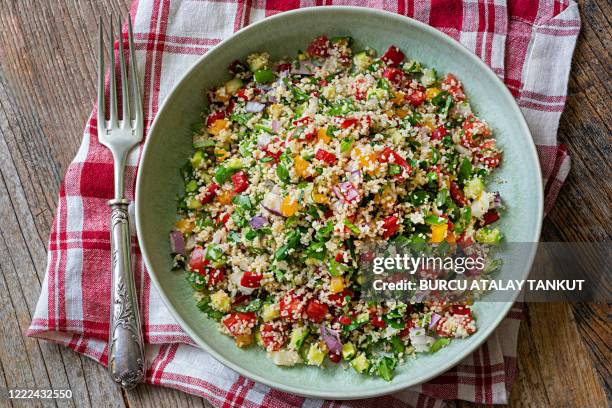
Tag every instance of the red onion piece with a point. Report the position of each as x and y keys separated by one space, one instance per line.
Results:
x=337 y=192
x=254 y=107
x=304 y=68
x=497 y=200
x=272 y=202
x=275 y=126
x=331 y=339
x=263 y=139
x=177 y=242
x=434 y=320
x=258 y=221
x=355 y=177
x=348 y=191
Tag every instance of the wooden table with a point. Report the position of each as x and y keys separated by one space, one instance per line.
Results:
x=46 y=47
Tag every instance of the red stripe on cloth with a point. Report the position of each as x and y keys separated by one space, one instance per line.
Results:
x=164 y=363
x=558 y=32
x=544 y=98
x=275 y=398
x=152 y=370
x=232 y=392
x=214 y=391
x=541 y=107
x=487 y=374
x=159 y=50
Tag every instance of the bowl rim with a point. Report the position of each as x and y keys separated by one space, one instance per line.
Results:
x=391 y=387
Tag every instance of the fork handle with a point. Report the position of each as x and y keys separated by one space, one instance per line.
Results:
x=126 y=346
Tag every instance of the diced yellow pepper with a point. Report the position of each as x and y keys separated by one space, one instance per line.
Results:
x=289 y=206
x=336 y=285
x=431 y=93
x=438 y=232
x=367 y=160
x=244 y=340
x=398 y=98
x=221 y=154
x=320 y=198
x=402 y=113
x=184 y=225
x=450 y=237
x=301 y=165
x=217 y=126
x=322 y=135
x=225 y=197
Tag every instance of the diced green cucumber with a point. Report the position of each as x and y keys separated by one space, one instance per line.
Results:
x=193 y=203
x=196 y=159
x=298 y=335
x=348 y=351
x=488 y=235
x=233 y=85
x=474 y=188
x=362 y=60
x=315 y=355
x=191 y=186
x=360 y=363
x=429 y=77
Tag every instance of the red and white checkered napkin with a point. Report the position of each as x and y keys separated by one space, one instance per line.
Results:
x=529 y=44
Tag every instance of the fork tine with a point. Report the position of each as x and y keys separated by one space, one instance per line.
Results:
x=134 y=81
x=125 y=101
x=101 y=120
x=113 y=84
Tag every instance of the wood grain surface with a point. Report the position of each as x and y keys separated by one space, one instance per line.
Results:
x=47 y=46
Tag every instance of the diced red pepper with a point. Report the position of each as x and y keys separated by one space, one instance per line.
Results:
x=390 y=226
x=406 y=330
x=492 y=161
x=239 y=324
x=415 y=97
x=291 y=307
x=454 y=88
x=283 y=67
x=210 y=193
x=393 y=56
x=241 y=181
x=241 y=94
x=387 y=153
x=213 y=117
x=464 y=241
x=438 y=133
x=378 y=322
x=277 y=153
x=303 y=121
x=326 y=156
x=460 y=310
x=348 y=122
x=474 y=131
x=394 y=75
x=251 y=280
x=319 y=47
x=490 y=217
x=338 y=298
x=215 y=276
x=457 y=194
x=222 y=219
x=345 y=320
x=316 y=310
x=198 y=261
x=272 y=338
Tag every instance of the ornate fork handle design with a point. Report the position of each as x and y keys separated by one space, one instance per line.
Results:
x=126 y=346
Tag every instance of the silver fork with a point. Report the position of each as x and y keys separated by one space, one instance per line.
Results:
x=126 y=346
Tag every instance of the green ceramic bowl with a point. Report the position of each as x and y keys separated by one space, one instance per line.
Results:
x=169 y=144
